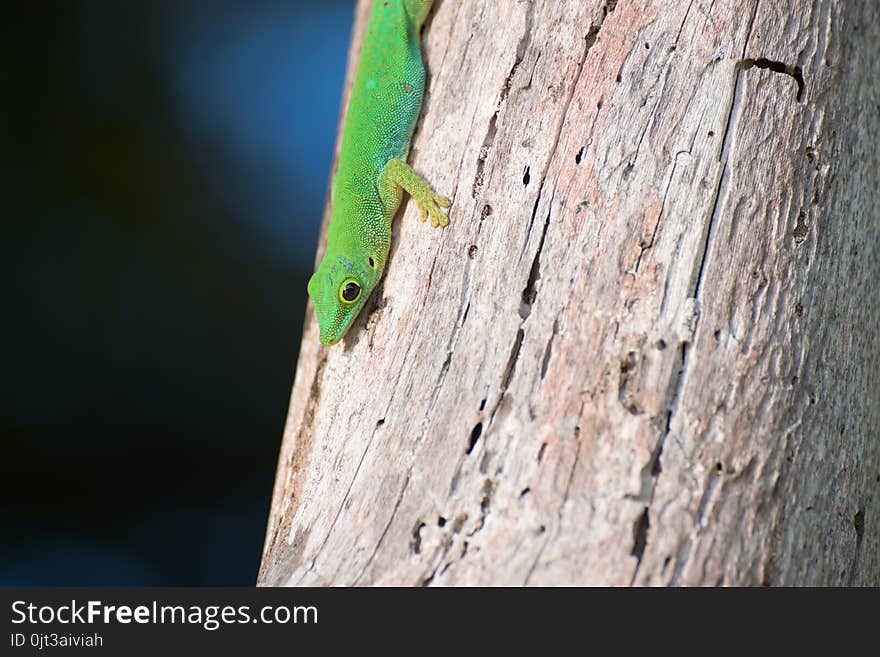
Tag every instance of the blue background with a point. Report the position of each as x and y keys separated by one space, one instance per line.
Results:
x=167 y=166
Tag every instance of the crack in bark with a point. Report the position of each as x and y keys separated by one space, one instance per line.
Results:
x=530 y=292
x=565 y=495
x=531 y=225
x=681 y=26
x=777 y=67
x=684 y=549
x=379 y=424
x=489 y=139
x=450 y=39
x=859 y=527
x=677 y=382
x=548 y=350
x=631 y=163
x=529 y=295
x=342 y=504
x=640 y=535
x=384 y=530
x=646 y=247
x=464 y=307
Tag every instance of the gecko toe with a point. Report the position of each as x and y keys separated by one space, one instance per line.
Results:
x=439 y=219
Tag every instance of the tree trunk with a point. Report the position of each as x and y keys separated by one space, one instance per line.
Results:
x=646 y=348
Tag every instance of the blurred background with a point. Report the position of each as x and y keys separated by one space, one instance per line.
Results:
x=166 y=170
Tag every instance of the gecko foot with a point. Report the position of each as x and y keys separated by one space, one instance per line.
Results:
x=429 y=209
x=396 y=175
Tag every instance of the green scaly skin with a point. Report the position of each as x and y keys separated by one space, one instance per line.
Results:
x=373 y=174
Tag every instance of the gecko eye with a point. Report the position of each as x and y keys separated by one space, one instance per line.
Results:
x=349 y=292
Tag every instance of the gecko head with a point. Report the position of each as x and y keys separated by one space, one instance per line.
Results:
x=339 y=288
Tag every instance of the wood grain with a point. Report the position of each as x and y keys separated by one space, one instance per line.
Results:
x=646 y=349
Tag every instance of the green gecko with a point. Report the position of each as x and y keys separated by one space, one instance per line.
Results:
x=373 y=174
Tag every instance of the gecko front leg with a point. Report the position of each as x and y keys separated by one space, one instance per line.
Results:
x=397 y=176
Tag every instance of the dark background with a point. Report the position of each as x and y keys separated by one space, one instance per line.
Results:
x=166 y=165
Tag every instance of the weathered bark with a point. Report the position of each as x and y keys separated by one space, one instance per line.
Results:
x=646 y=349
